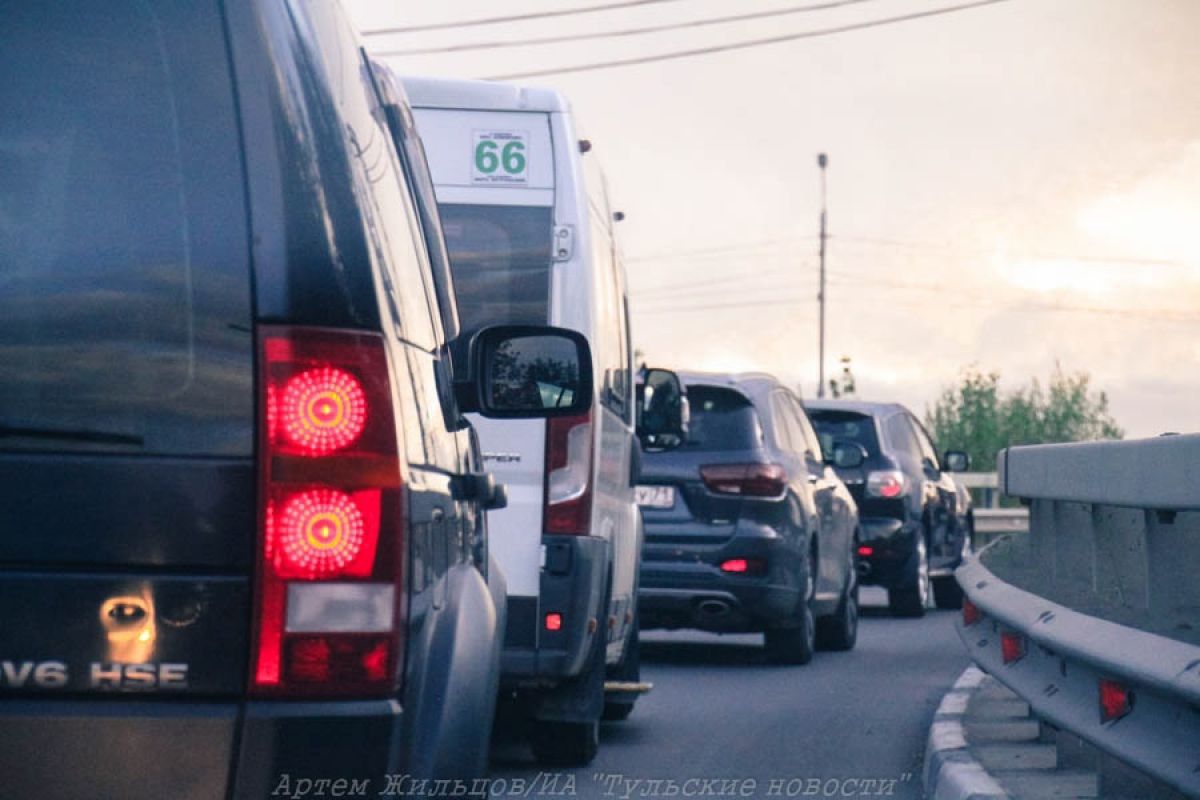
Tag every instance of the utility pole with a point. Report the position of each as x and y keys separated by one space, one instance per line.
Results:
x=822 y=162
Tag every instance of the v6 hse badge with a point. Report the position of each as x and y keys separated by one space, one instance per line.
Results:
x=98 y=675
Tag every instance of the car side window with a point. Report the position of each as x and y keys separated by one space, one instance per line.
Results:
x=784 y=423
x=811 y=439
x=928 y=451
x=901 y=437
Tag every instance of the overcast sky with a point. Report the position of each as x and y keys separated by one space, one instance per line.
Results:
x=1010 y=186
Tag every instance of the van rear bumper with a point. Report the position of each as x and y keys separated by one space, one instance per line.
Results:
x=573 y=585
x=135 y=748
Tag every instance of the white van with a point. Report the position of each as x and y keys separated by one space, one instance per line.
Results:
x=529 y=230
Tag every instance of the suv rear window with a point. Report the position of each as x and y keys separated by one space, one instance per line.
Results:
x=500 y=258
x=846 y=425
x=125 y=320
x=722 y=419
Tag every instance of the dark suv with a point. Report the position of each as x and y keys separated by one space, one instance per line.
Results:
x=241 y=528
x=916 y=524
x=746 y=527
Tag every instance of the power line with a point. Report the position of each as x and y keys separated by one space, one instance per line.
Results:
x=471 y=23
x=721 y=248
x=623 y=32
x=700 y=51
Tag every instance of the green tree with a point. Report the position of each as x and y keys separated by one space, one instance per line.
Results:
x=977 y=416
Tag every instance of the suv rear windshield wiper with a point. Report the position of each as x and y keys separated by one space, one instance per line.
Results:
x=64 y=435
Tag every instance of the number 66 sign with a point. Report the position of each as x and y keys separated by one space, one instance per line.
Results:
x=500 y=158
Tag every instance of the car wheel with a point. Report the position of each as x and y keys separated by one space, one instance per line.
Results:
x=565 y=744
x=629 y=670
x=796 y=643
x=911 y=601
x=840 y=631
x=947 y=594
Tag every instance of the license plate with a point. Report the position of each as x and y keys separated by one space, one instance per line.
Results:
x=655 y=496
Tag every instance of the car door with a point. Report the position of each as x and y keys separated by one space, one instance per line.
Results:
x=805 y=480
x=835 y=532
x=945 y=539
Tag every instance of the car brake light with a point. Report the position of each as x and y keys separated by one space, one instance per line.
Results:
x=888 y=483
x=866 y=550
x=1116 y=701
x=744 y=566
x=1012 y=647
x=971 y=612
x=329 y=594
x=554 y=621
x=747 y=480
x=569 y=475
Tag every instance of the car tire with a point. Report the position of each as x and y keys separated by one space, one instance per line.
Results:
x=629 y=670
x=947 y=594
x=839 y=631
x=796 y=643
x=565 y=744
x=911 y=601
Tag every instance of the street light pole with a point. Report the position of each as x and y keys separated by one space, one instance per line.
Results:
x=822 y=162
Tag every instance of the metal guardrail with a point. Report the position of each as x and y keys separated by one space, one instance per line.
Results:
x=1094 y=617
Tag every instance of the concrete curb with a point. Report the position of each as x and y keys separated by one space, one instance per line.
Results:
x=951 y=771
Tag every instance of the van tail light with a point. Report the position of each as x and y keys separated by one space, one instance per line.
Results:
x=328 y=609
x=569 y=474
x=887 y=483
x=747 y=480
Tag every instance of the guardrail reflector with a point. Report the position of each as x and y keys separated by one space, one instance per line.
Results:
x=1012 y=647
x=971 y=612
x=1116 y=701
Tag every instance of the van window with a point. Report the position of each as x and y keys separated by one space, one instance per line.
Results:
x=125 y=318
x=500 y=260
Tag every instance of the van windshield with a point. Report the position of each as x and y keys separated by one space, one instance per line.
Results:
x=500 y=257
x=125 y=320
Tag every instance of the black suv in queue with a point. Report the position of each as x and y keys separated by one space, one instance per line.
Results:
x=916 y=525
x=241 y=517
x=746 y=527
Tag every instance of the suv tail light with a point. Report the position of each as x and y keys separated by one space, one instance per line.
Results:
x=888 y=483
x=328 y=602
x=747 y=480
x=569 y=474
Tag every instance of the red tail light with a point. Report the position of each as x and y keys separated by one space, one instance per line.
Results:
x=971 y=612
x=1012 y=647
x=888 y=483
x=866 y=550
x=748 y=480
x=569 y=475
x=328 y=604
x=554 y=621
x=744 y=566
x=1116 y=701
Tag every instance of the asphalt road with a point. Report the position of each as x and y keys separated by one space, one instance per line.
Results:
x=846 y=725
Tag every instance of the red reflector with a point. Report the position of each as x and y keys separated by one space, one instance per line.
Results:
x=735 y=565
x=554 y=621
x=323 y=410
x=865 y=550
x=358 y=661
x=971 y=612
x=748 y=480
x=1012 y=647
x=1115 y=701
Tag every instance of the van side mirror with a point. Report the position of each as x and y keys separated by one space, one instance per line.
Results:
x=527 y=372
x=662 y=410
x=847 y=455
x=956 y=461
